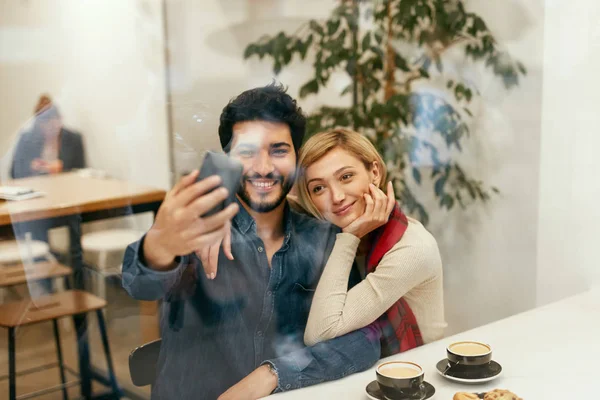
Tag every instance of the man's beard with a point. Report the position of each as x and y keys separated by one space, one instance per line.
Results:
x=264 y=206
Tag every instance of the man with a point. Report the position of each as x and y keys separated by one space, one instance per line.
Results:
x=240 y=326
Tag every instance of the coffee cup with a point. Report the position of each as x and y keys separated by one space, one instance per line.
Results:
x=469 y=353
x=401 y=380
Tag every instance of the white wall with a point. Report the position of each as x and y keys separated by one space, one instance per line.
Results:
x=102 y=61
x=488 y=251
x=569 y=217
x=206 y=42
x=532 y=244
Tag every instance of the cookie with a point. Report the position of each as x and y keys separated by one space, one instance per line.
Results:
x=500 y=394
x=465 y=396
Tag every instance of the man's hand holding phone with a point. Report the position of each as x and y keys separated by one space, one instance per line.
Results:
x=181 y=228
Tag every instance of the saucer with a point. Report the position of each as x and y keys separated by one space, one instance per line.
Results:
x=374 y=393
x=470 y=374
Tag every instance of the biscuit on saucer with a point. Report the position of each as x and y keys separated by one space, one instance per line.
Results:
x=465 y=396
x=500 y=394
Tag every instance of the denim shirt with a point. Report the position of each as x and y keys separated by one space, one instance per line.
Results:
x=215 y=332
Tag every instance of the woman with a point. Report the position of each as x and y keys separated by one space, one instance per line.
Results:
x=48 y=148
x=340 y=178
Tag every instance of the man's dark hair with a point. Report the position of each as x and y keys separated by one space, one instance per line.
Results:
x=270 y=103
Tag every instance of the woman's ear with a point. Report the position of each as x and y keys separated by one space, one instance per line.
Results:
x=375 y=173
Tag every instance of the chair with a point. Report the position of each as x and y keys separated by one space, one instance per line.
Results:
x=103 y=243
x=18 y=274
x=143 y=362
x=51 y=307
x=12 y=252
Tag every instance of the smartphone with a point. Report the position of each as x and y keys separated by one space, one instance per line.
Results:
x=230 y=172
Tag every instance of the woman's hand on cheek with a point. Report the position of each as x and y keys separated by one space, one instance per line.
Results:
x=377 y=211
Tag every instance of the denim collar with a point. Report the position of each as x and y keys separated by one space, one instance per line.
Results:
x=245 y=223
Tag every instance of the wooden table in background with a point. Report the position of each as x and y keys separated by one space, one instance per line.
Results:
x=71 y=199
x=71 y=194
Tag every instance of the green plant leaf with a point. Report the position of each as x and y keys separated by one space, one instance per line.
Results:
x=459 y=92
x=307 y=44
x=366 y=43
x=314 y=25
x=347 y=89
x=378 y=37
x=439 y=186
x=468 y=94
x=416 y=175
x=391 y=124
x=251 y=49
x=447 y=201
x=471 y=190
x=401 y=63
x=310 y=87
x=332 y=26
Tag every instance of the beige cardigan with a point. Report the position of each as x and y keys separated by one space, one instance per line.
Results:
x=411 y=269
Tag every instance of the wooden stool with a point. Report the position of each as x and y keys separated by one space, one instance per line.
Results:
x=70 y=303
x=13 y=251
x=18 y=274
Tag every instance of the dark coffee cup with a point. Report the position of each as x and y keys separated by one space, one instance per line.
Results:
x=401 y=380
x=469 y=353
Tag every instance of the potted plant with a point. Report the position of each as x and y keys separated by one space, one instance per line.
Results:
x=389 y=49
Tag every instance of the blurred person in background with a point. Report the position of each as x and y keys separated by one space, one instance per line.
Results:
x=48 y=147
x=45 y=148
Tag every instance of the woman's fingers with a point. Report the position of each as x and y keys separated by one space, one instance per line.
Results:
x=203 y=254
x=227 y=241
x=380 y=203
x=208 y=239
x=370 y=205
x=213 y=259
x=209 y=256
x=391 y=198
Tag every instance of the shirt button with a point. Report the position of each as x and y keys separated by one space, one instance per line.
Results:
x=269 y=293
x=259 y=333
x=260 y=249
x=288 y=386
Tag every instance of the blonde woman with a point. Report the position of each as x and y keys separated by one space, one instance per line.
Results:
x=341 y=179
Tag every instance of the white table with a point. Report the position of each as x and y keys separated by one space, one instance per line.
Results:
x=552 y=352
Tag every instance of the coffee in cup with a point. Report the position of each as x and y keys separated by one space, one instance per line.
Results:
x=401 y=379
x=469 y=353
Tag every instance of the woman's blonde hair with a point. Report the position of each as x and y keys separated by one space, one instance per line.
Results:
x=322 y=143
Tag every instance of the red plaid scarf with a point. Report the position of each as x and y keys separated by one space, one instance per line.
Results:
x=399 y=325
